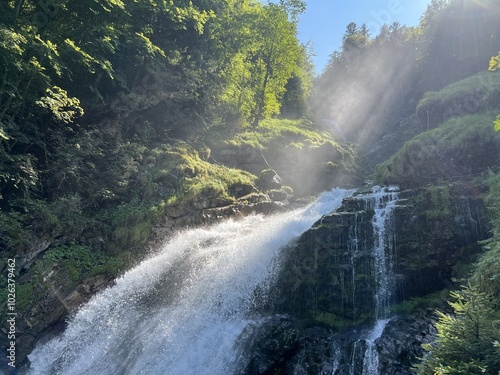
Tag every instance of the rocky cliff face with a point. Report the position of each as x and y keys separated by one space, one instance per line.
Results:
x=330 y=271
x=327 y=298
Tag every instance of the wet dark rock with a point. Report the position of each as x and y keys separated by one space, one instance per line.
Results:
x=400 y=345
x=327 y=283
x=329 y=277
x=272 y=345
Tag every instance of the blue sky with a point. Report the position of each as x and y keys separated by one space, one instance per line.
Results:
x=324 y=21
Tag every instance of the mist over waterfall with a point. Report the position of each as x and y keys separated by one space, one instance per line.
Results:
x=182 y=310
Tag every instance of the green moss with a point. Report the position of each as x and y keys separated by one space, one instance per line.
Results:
x=433 y=300
x=295 y=133
x=25 y=295
x=332 y=321
x=183 y=176
x=298 y=135
x=439 y=197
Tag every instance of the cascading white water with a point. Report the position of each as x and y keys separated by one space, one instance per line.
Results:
x=181 y=311
x=384 y=202
x=371 y=361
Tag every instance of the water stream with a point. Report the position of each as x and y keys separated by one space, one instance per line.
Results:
x=364 y=359
x=182 y=310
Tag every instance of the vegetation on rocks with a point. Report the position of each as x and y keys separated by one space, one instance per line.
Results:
x=461 y=148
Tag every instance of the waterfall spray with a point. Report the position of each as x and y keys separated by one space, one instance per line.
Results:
x=183 y=310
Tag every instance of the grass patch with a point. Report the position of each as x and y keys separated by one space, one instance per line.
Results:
x=460 y=148
x=478 y=93
x=293 y=133
x=176 y=174
x=193 y=178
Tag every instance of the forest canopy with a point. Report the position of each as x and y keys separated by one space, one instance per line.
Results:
x=87 y=85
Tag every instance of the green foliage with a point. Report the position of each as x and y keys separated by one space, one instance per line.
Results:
x=15 y=235
x=86 y=92
x=465 y=341
x=63 y=109
x=494 y=65
x=131 y=226
x=487 y=270
x=457 y=38
x=497 y=124
x=79 y=261
x=268 y=56
x=449 y=151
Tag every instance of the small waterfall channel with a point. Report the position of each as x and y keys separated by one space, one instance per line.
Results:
x=364 y=358
x=182 y=311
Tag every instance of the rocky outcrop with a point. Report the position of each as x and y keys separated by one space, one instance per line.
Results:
x=209 y=211
x=59 y=299
x=278 y=345
x=329 y=274
x=327 y=285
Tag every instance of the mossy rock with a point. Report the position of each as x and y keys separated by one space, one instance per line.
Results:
x=269 y=180
x=277 y=195
x=240 y=189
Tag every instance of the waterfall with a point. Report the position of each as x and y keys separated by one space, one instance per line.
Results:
x=383 y=201
x=182 y=310
x=370 y=362
x=363 y=357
